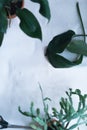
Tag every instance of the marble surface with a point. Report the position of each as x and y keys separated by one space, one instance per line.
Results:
x=23 y=64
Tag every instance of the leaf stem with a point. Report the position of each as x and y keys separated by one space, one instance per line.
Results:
x=80 y=35
x=78 y=10
x=45 y=107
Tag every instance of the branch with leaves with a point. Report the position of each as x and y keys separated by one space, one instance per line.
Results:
x=67 y=40
x=60 y=119
x=28 y=22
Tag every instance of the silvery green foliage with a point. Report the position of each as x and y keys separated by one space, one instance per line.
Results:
x=64 y=116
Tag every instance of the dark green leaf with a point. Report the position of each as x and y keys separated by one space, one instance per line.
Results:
x=4 y=3
x=3 y=21
x=78 y=91
x=1 y=6
x=60 y=42
x=38 y=111
x=24 y=113
x=1 y=38
x=3 y=25
x=78 y=46
x=29 y=23
x=58 y=45
x=58 y=61
x=44 y=8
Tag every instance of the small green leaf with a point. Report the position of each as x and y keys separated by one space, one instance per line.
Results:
x=73 y=126
x=39 y=121
x=78 y=91
x=29 y=24
x=38 y=111
x=25 y=113
x=34 y=127
x=44 y=8
x=78 y=46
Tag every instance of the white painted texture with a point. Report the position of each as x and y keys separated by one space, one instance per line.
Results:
x=23 y=64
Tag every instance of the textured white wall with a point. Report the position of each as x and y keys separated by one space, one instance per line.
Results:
x=23 y=64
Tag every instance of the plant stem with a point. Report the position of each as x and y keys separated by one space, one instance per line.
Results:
x=80 y=35
x=45 y=107
x=78 y=10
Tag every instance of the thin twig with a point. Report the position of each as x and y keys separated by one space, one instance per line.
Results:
x=78 y=10
x=80 y=35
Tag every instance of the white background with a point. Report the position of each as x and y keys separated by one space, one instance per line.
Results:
x=23 y=64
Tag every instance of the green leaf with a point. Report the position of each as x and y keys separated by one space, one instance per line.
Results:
x=32 y=107
x=58 y=61
x=73 y=126
x=60 y=42
x=1 y=38
x=34 y=127
x=39 y=121
x=78 y=46
x=3 y=21
x=38 y=111
x=3 y=25
x=45 y=126
x=2 y=3
x=29 y=24
x=58 y=45
x=44 y=8
x=1 y=6
x=25 y=113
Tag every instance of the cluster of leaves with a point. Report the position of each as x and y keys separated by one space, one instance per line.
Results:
x=28 y=22
x=69 y=113
x=67 y=40
x=60 y=119
x=36 y=115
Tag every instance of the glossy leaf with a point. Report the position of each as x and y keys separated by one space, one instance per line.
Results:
x=58 y=45
x=1 y=38
x=59 y=61
x=3 y=21
x=60 y=42
x=44 y=8
x=29 y=23
x=3 y=25
x=78 y=46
